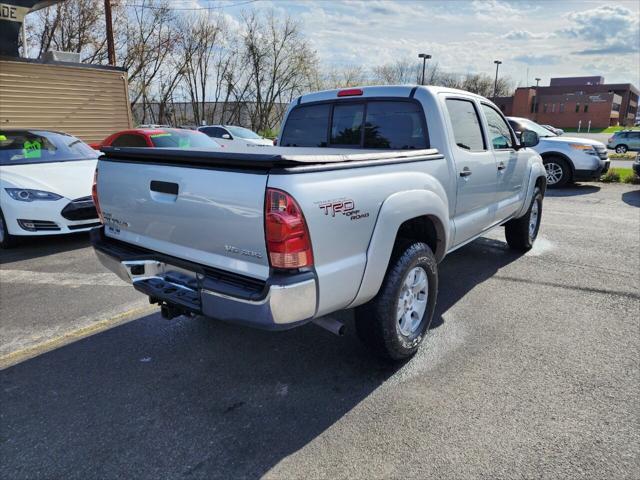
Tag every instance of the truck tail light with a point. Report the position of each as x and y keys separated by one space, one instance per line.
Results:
x=288 y=241
x=350 y=92
x=94 y=195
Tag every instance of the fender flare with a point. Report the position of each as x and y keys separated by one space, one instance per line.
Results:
x=395 y=210
x=536 y=171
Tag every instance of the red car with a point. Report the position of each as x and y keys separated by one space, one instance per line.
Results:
x=158 y=138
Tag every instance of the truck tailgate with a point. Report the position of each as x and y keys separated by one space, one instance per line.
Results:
x=211 y=216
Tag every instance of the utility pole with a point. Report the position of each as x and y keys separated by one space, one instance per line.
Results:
x=424 y=58
x=110 y=46
x=25 y=48
x=495 y=84
x=535 y=100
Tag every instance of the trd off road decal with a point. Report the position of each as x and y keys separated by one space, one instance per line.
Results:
x=342 y=206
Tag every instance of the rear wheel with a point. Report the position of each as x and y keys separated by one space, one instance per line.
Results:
x=522 y=232
x=621 y=149
x=558 y=172
x=6 y=239
x=395 y=322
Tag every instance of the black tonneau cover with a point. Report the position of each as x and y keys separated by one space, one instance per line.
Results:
x=269 y=157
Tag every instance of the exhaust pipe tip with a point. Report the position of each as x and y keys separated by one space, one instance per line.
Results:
x=331 y=324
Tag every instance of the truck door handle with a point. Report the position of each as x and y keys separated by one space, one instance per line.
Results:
x=164 y=187
x=501 y=166
x=465 y=172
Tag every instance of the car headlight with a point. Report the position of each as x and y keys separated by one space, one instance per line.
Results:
x=588 y=149
x=28 y=195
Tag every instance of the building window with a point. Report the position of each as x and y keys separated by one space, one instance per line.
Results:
x=553 y=108
x=561 y=107
x=577 y=107
x=586 y=108
x=544 y=108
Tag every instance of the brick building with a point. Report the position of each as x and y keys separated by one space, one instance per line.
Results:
x=570 y=101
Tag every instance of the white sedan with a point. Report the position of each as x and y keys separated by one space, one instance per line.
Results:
x=232 y=136
x=45 y=184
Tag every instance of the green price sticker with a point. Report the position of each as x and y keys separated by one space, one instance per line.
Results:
x=3 y=138
x=32 y=149
x=155 y=135
x=183 y=142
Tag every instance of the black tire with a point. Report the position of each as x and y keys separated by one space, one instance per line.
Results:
x=520 y=235
x=622 y=149
x=6 y=239
x=561 y=169
x=377 y=323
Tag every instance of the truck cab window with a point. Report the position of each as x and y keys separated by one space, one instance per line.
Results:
x=307 y=126
x=395 y=125
x=346 y=127
x=466 y=124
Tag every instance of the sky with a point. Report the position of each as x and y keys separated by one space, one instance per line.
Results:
x=542 y=38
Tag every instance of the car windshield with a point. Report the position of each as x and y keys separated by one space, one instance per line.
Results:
x=243 y=133
x=18 y=147
x=534 y=127
x=182 y=139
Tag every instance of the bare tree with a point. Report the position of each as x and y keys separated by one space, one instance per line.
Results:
x=279 y=62
x=72 y=26
x=145 y=41
x=400 y=72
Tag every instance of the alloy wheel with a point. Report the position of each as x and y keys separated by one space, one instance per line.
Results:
x=554 y=172
x=412 y=301
x=533 y=219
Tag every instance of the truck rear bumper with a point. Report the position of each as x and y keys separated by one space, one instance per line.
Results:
x=282 y=302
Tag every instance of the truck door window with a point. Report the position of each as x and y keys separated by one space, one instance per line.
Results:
x=499 y=131
x=466 y=124
x=307 y=126
x=395 y=125
x=346 y=127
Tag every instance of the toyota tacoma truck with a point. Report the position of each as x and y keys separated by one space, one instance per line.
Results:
x=367 y=191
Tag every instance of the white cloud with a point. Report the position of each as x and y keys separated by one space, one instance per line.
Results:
x=547 y=39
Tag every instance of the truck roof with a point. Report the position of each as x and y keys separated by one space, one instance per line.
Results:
x=401 y=91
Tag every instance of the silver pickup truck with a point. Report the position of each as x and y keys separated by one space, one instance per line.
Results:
x=367 y=191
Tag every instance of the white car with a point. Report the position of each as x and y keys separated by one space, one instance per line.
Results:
x=45 y=184
x=231 y=136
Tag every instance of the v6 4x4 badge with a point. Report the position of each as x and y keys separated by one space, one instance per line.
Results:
x=345 y=206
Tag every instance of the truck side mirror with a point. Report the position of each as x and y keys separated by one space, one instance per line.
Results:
x=529 y=138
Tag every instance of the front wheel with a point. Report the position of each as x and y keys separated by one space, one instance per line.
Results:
x=621 y=149
x=522 y=232
x=395 y=322
x=6 y=239
x=558 y=172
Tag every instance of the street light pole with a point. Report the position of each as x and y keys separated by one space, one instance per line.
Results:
x=111 y=51
x=495 y=84
x=424 y=58
x=535 y=100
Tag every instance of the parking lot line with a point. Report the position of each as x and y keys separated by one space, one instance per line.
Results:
x=23 y=354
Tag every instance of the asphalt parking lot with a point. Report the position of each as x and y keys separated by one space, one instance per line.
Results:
x=531 y=370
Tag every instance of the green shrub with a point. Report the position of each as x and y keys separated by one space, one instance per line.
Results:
x=623 y=156
x=612 y=176
x=632 y=179
x=268 y=133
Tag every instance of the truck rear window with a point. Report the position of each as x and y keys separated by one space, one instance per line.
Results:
x=370 y=124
